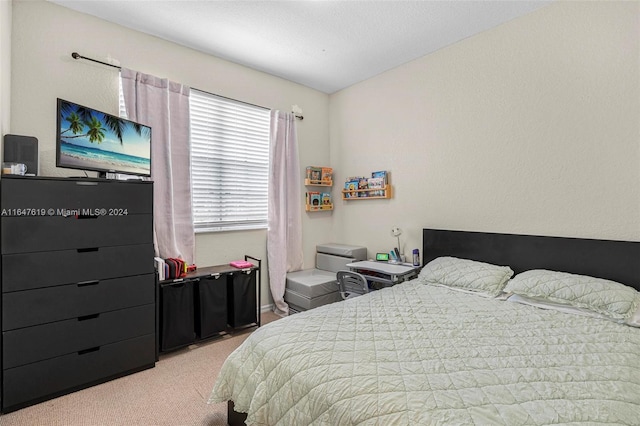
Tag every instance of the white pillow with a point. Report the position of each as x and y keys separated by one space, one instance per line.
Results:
x=634 y=319
x=605 y=297
x=470 y=275
x=546 y=304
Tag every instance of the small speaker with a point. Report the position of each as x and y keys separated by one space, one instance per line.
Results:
x=22 y=149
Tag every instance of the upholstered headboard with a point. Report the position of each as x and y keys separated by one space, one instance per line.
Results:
x=614 y=260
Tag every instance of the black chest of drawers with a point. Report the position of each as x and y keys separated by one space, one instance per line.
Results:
x=78 y=284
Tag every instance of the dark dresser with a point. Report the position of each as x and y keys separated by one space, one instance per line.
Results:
x=78 y=284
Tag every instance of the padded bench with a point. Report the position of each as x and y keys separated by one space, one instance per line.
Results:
x=310 y=288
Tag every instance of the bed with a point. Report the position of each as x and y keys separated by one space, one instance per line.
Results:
x=430 y=352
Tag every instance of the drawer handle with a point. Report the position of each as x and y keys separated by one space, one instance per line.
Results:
x=86 y=283
x=87 y=216
x=88 y=317
x=215 y=276
x=82 y=183
x=86 y=351
x=87 y=250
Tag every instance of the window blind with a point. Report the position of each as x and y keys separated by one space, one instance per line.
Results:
x=229 y=163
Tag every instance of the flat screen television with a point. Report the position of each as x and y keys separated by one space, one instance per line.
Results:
x=88 y=139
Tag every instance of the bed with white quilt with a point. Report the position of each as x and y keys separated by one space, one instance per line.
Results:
x=495 y=330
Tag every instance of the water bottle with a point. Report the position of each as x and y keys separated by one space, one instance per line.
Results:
x=416 y=257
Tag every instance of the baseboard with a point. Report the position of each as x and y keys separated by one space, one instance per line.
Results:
x=266 y=308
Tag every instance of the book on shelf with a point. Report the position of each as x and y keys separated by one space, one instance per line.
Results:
x=325 y=198
x=326 y=174
x=363 y=183
x=314 y=199
x=314 y=173
x=380 y=174
x=378 y=184
x=352 y=186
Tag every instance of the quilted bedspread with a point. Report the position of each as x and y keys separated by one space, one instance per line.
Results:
x=423 y=355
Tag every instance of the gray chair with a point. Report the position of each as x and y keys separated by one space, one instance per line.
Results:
x=351 y=284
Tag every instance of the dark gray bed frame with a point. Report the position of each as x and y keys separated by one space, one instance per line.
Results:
x=609 y=259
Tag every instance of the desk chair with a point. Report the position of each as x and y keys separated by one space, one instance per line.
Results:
x=351 y=284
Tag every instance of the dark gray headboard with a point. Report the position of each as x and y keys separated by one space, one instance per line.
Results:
x=614 y=260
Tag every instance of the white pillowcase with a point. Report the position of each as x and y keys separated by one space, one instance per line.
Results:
x=609 y=298
x=634 y=320
x=470 y=275
x=546 y=304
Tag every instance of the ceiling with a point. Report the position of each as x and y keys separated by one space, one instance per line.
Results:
x=325 y=45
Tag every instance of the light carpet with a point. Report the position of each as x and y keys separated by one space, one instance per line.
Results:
x=173 y=393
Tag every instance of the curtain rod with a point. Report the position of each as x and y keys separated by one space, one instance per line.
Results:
x=76 y=55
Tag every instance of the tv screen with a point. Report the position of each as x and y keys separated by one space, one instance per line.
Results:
x=88 y=139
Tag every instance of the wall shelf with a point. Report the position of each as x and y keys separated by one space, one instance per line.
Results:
x=319 y=199
x=367 y=194
x=309 y=182
x=325 y=207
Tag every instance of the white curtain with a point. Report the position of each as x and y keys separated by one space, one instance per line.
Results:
x=164 y=105
x=284 y=237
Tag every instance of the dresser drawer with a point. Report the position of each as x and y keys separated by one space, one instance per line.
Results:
x=31 y=344
x=42 y=380
x=46 y=233
x=72 y=194
x=26 y=271
x=34 y=307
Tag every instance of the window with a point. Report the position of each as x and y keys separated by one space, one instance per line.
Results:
x=229 y=163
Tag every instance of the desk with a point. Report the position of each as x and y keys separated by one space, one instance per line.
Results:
x=382 y=274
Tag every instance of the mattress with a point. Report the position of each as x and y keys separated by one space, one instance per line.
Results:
x=344 y=250
x=332 y=263
x=413 y=354
x=301 y=303
x=312 y=282
x=334 y=257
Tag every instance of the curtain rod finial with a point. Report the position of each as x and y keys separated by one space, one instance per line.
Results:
x=297 y=111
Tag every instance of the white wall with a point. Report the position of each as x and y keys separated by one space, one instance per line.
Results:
x=531 y=127
x=5 y=67
x=45 y=35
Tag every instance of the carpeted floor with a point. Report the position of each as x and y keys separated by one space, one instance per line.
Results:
x=173 y=393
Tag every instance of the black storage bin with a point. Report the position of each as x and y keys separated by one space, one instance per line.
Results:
x=242 y=299
x=177 y=315
x=211 y=306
